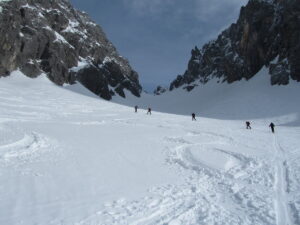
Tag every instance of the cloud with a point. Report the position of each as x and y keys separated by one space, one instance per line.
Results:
x=190 y=19
x=142 y=7
x=207 y=10
x=201 y=10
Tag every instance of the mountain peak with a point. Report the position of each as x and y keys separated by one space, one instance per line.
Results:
x=267 y=33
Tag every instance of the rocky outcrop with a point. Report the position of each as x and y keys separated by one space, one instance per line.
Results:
x=267 y=33
x=159 y=90
x=51 y=37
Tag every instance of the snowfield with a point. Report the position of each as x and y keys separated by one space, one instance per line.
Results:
x=69 y=158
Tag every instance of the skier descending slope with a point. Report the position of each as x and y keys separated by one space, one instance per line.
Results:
x=135 y=108
x=149 y=111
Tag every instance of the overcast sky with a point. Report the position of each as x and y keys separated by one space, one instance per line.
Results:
x=157 y=35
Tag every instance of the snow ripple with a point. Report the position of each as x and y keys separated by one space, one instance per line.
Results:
x=26 y=148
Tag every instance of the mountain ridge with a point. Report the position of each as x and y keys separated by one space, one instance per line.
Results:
x=266 y=33
x=54 y=38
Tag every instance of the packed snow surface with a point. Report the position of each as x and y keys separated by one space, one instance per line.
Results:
x=69 y=158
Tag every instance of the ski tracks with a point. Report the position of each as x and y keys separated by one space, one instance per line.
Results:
x=18 y=147
x=281 y=186
x=232 y=178
x=235 y=190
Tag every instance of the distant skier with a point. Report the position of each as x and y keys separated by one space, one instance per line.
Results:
x=136 y=108
x=272 y=125
x=149 y=111
x=248 y=125
x=193 y=117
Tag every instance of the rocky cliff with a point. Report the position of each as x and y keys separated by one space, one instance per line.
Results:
x=159 y=90
x=267 y=33
x=39 y=36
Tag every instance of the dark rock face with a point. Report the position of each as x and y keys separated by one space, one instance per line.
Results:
x=159 y=90
x=51 y=37
x=267 y=33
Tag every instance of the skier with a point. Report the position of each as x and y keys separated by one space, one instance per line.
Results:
x=135 y=108
x=149 y=111
x=248 y=125
x=272 y=125
x=193 y=117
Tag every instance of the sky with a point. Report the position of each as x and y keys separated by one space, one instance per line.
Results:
x=157 y=36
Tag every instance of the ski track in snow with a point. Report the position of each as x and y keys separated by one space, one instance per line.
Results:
x=281 y=185
x=28 y=147
x=201 y=199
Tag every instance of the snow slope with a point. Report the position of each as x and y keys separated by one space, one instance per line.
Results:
x=67 y=157
x=243 y=100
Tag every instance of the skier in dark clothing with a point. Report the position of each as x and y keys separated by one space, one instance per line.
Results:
x=248 y=125
x=193 y=117
x=149 y=111
x=135 y=108
x=272 y=125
